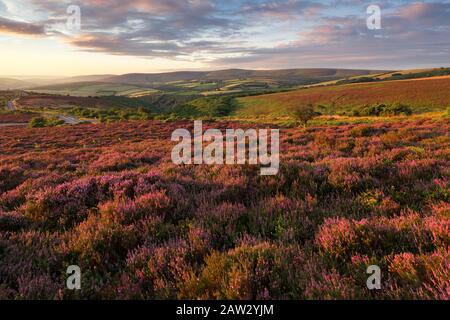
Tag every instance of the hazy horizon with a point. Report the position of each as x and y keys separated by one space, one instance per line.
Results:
x=43 y=76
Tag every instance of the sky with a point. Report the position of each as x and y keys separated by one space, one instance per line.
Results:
x=117 y=36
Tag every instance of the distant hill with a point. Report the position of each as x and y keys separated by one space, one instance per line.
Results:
x=194 y=82
x=8 y=83
x=88 y=78
x=294 y=76
x=390 y=76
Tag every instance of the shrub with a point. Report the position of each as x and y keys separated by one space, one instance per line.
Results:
x=386 y=110
x=258 y=271
x=303 y=113
x=101 y=242
x=396 y=109
x=341 y=238
x=38 y=122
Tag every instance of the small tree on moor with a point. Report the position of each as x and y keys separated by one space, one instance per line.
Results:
x=303 y=113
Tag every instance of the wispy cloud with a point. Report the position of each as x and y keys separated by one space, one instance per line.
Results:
x=8 y=26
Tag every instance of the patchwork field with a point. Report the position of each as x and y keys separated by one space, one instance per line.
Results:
x=87 y=89
x=36 y=101
x=107 y=198
x=424 y=95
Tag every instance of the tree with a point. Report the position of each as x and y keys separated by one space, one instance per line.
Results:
x=303 y=113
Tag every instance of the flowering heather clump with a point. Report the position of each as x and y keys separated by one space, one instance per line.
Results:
x=108 y=198
x=380 y=236
x=426 y=276
x=100 y=241
x=63 y=205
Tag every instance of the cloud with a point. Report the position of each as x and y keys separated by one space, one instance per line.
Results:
x=240 y=33
x=290 y=9
x=414 y=34
x=150 y=28
x=429 y=14
x=8 y=26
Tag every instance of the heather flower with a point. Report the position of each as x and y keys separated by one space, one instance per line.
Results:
x=108 y=198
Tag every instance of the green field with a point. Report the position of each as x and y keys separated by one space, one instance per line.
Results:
x=86 y=89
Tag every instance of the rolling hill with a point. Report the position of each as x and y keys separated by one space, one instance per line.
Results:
x=429 y=94
x=12 y=84
x=292 y=76
x=196 y=82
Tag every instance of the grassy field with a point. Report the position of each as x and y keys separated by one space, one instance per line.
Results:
x=86 y=89
x=424 y=95
x=39 y=101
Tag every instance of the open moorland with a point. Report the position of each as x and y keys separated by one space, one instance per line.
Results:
x=423 y=95
x=365 y=181
x=108 y=198
x=239 y=99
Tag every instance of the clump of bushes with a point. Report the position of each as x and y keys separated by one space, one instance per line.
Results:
x=41 y=122
x=113 y=114
x=380 y=110
x=342 y=238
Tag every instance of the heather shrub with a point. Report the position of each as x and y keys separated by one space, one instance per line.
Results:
x=362 y=131
x=119 y=161
x=436 y=282
x=38 y=287
x=64 y=205
x=441 y=210
x=158 y=272
x=346 y=174
x=379 y=236
x=10 y=177
x=107 y=197
x=224 y=221
x=424 y=276
x=12 y=199
x=281 y=218
x=334 y=286
x=31 y=264
x=127 y=211
x=12 y=221
x=259 y=271
x=439 y=227
x=100 y=241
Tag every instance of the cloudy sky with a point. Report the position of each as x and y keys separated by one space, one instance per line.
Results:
x=118 y=36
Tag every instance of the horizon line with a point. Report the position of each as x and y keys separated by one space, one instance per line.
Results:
x=215 y=70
